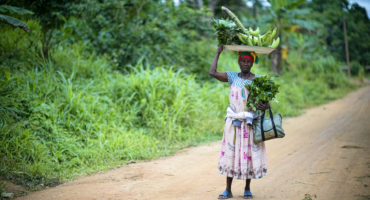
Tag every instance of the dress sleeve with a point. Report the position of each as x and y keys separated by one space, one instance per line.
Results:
x=231 y=76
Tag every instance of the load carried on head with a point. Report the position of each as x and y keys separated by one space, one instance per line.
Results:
x=235 y=36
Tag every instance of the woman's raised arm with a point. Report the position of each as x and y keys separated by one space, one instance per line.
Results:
x=221 y=76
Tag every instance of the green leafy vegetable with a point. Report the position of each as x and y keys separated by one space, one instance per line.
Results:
x=262 y=89
x=226 y=31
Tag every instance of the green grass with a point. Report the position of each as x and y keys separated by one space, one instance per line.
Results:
x=75 y=114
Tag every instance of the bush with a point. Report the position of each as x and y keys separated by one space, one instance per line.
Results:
x=18 y=49
x=356 y=68
x=159 y=33
x=75 y=114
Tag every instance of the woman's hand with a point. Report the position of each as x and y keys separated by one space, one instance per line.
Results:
x=263 y=106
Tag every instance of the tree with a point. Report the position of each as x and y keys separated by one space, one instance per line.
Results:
x=332 y=13
x=358 y=29
x=153 y=32
x=284 y=14
x=198 y=4
x=52 y=15
x=256 y=6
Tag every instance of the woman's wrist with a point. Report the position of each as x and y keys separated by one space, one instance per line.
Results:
x=220 y=49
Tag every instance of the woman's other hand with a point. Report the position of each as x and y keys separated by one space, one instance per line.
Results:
x=263 y=106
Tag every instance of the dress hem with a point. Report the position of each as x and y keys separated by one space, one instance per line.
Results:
x=242 y=177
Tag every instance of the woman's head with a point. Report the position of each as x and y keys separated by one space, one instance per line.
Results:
x=246 y=60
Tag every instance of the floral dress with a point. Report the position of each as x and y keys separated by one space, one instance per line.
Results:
x=240 y=158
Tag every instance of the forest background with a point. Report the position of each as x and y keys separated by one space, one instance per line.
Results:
x=96 y=84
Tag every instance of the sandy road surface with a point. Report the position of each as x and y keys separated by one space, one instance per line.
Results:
x=326 y=153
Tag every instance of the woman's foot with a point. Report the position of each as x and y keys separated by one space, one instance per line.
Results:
x=225 y=195
x=247 y=194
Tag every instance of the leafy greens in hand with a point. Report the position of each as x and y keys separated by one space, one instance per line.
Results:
x=263 y=89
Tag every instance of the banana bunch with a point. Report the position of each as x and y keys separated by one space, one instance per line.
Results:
x=254 y=38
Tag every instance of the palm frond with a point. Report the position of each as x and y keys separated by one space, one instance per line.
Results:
x=14 y=22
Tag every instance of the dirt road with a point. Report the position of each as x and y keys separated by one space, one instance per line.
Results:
x=326 y=153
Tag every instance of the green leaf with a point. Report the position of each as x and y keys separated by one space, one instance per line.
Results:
x=14 y=10
x=296 y=4
x=262 y=89
x=14 y=22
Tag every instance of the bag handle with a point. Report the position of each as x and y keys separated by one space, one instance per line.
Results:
x=262 y=133
x=273 y=125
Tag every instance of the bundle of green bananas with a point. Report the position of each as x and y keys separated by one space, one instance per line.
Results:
x=252 y=37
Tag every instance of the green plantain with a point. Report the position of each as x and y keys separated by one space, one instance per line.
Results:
x=235 y=19
x=259 y=41
x=243 y=38
x=273 y=34
x=254 y=32
x=255 y=41
x=275 y=43
x=266 y=38
x=250 y=40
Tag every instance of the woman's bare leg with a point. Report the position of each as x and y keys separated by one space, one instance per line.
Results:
x=229 y=181
x=247 y=184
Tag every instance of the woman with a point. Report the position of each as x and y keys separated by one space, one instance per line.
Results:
x=240 y=158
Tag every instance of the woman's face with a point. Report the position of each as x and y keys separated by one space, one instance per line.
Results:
x=245 y=65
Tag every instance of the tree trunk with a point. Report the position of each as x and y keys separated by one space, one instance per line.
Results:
x=346 y=46
x=198 y=4
x=276 y=61
x=212 y=5
x=46 y=42
x=276 y=55
x=255 y=13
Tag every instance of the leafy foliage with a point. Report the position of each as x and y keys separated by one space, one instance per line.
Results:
x=76 y=115
x=51 y=14
x=11 y=20
x=226 y=31
x=131 y=31
x=285 y=14
x=331 y=14
x=263 y=89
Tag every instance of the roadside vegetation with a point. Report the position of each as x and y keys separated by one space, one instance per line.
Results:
x=98 y=94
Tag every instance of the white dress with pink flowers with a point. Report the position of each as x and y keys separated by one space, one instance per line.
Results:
x=240 y=158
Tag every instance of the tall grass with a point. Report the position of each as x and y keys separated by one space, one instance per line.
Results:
x=75 y=114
